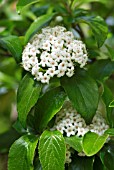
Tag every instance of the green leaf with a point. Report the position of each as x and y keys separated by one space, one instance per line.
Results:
x=47 y=106
x=27 y=95
x=75 y=142
x=111 y=52
x=52 y=150
x=98 y=164
x=81 y=163
x=23 y=3
x=98 y=26
x=110 y=131
x=92 y=143
x=21 y=153
x=37 y=25
x=82 y=90
x=107 y=156
x=7 y=139
x=107 y=98
x=12 y=43
x=111 y=104
x=102 y=69
x=77 y=3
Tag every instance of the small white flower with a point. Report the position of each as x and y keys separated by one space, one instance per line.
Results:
x=45 y=78
x=51 y=71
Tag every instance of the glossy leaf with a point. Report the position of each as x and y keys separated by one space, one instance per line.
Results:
x=52 y=150
x=107 y=98
x=82 y=90
x=47 y=106
x=98 y=26
x=107 y=156
x=23 y=3
x=102 y=69
x=75 y=142
x=27 y=96
x=37 y=25
x=92 y=143
x=12 y=43
x=21 y=153
x=81 y=163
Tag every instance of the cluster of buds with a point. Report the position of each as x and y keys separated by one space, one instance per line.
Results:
x=53 y=52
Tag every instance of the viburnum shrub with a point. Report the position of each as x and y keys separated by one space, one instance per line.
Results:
x=64 y=105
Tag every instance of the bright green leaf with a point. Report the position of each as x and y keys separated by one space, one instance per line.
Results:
x=81 y=163
x=37 y=25
x=48 y=106
x=27 y=96
x=102 y=69
x=52 y=150
x=21 y=153
x=23 y=3
x=82 y=90
x=12 y=43
x=75 y=142
x=92 y=143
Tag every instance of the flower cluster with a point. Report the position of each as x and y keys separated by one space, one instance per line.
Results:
x=69 y=122
x=53 y=52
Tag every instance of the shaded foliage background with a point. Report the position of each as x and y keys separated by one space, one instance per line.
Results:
x=11 y=23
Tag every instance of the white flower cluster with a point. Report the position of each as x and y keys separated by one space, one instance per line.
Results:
x=53 y=52
x=70 y=123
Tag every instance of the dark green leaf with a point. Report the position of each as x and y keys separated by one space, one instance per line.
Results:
x=37 y=25
x=98 y=26
x=12 y=43
x=48 y=106
x=27 y=96
x=82 y=163
x=102 y=69
x=82 y=90
x=19 y=128
x=107 y=98
x=107 y=156
x=98 y=164
x=23 y=3
x=92 y=143
x=6 y=140
x=21 y=153
x=37 y=165
x=75 y=142
x=52 y=150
